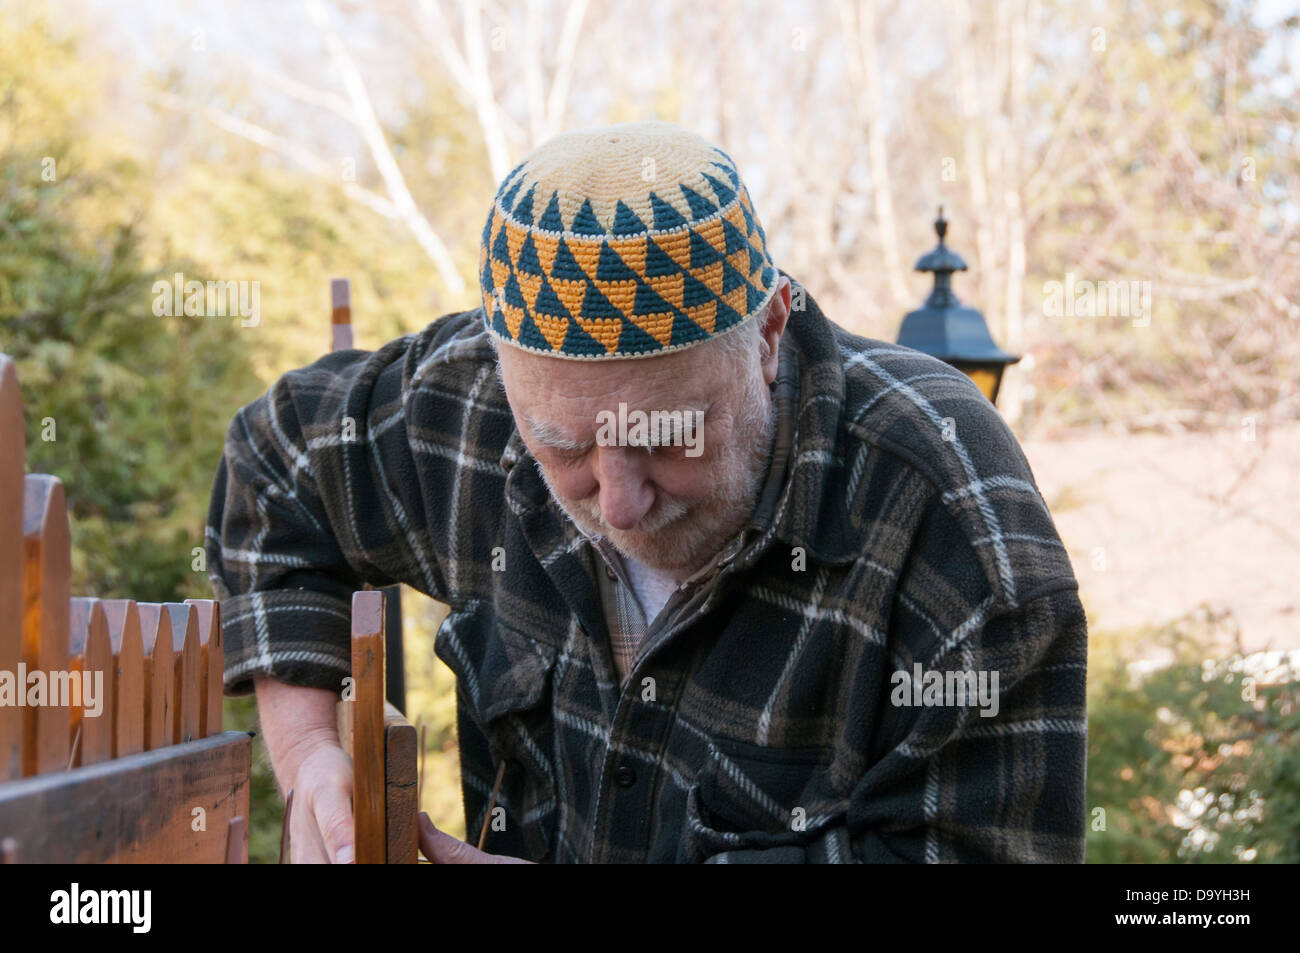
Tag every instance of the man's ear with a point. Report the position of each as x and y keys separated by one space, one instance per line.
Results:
x=778 y=312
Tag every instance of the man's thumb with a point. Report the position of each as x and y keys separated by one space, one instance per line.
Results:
x=334 y=818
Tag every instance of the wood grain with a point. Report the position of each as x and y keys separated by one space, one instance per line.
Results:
x=401 y=787
x=128 y=676
x=400 y=781
x=47 y=575
x=367 y=730
x=185 y=693
x=90 y=653
x=13 y=453
x=137 y=809
x=159 y=674
x=211 y=664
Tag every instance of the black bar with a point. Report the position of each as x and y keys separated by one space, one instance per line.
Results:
x=395 y=680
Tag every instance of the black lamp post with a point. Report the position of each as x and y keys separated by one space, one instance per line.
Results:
x=947 y=329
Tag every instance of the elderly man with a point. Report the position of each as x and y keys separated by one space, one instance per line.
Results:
x=727 y=583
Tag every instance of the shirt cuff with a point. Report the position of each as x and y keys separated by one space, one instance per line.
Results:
x=295 y=636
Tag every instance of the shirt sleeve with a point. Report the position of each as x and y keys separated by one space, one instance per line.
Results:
x=958 y=785
x=298 y=510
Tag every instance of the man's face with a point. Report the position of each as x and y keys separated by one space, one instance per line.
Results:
x=670 y=507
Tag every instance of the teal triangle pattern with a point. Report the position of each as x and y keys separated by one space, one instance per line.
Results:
x=578 y=341
x=566 y=267
x=549 y=303
x=514 y=296
x=551 y=219
x=612 y=268
x=700 y=206
x=666 y=216
x=685 y=331
x=735 y=240
x=635 y=341
x=596 y=305
x=731 y=279
x=531 y=336
x=658 y=263
x=649 y=301
x=528 y=263
x=501 y=247
x=702 y=253
x=726 y=195
x=586 y=223
x=523 y=213
x=626 y=221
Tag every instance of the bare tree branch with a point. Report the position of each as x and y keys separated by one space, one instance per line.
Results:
x=373 y=134
x=299 y=153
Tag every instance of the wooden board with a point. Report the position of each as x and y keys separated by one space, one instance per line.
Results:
x=128 y=676
x=400 y=781
x=13 y=444
x=401 y=788
x=185 y=692
x=159 y=674
x=91 y=656
x=47 y=578
x=367 y=726
x=137 y=809
x=211 y=664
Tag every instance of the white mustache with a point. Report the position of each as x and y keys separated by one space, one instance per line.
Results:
x=668 y=512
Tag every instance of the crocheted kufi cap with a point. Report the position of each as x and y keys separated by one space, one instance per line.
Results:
x=620 y=242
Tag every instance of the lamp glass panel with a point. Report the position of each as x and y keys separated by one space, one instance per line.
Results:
x=985 y=378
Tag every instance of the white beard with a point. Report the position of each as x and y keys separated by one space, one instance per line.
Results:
x=676 y=537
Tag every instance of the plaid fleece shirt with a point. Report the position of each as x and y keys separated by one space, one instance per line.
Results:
x=774 y=711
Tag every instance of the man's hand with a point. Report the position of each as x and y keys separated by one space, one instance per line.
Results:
x=321 y=829
x=442 y=848
x=299 y=727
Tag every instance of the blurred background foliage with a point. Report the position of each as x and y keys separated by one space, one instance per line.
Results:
x=137 y=146
x=1197 y=760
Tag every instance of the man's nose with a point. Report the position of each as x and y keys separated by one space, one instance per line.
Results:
x=625 y=493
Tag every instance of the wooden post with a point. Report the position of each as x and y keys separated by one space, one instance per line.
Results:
x=128 y=676
x=91 y=655
x=13 y=452
x=395 y=687
x=185 y=642
x=159 y=674
x=367 y=720
x=47 y=574
x=211 y=664
x=341 y=314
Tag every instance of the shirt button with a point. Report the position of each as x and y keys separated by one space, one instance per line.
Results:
x=624 y=776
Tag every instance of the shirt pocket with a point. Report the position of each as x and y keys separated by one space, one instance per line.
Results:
x=513 y=708
x=748 y=797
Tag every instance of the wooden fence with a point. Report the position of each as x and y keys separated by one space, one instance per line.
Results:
x=111 y=748
x=138 y=768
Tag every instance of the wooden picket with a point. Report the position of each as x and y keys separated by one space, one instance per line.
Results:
x=186 y=681
x=91 y=657
x=47 y=580
x=122 y=772
x=211 y=663
x=128 y=676
x=13 y=440
x=159 y=674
